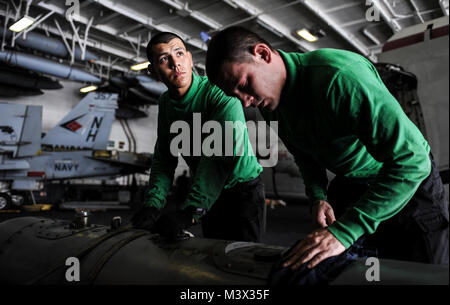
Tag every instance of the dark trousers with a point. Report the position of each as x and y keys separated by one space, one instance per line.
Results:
x=237 y=214
x=419 y=232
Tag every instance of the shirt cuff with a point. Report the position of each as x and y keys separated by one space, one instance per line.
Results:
x=348 y=228
x=154 y=202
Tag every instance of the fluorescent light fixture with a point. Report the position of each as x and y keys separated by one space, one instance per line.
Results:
x=22 y=24
x=305 y=34
x=88 y=89
x=140 y=66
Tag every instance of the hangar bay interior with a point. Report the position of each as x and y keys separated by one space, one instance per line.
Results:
x=79 y=120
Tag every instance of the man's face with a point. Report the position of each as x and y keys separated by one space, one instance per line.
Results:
x=172 y=64
x=255 y=83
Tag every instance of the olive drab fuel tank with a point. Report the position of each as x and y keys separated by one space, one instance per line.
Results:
x=45 y=251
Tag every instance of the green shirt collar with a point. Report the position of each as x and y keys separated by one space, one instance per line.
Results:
x=292 y=64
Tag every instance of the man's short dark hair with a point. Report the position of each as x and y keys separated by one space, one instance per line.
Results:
x=162 y=37
x=233 y=44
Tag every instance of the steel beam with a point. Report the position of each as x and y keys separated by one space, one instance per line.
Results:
x=353 y=22
x=131 y=28
x=271 y=23
x=387 y=16
x=371 y=36
x=95 y=45
x=193 y=14
x=106 y=18
x=341 y=7
x=335 y=26
x=416 y=8
x=102 y=28
x=145 y=20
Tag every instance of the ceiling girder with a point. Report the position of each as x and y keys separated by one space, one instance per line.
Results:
x=145 y=20
x=271 y=23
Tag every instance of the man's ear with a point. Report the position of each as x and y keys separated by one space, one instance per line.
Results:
x=262 y=52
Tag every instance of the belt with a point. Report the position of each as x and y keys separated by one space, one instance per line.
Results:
x=246 y=184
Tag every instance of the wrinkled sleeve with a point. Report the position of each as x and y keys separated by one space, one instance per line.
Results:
x=367 y=109
x=213 y=171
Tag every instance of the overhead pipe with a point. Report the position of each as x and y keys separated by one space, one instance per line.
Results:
x=42 y=65
x=48 y=45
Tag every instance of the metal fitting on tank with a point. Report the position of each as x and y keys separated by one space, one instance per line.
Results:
x=81 y=219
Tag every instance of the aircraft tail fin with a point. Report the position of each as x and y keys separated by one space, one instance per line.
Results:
x=87 y=126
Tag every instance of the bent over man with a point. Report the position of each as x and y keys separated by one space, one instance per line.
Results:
x=335 y=113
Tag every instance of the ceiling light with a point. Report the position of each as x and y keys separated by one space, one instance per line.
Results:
x=22 y=24
x=88 y=89
x=305 y=34
x=140 y=66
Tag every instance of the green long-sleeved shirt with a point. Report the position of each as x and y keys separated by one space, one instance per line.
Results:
x=211 y=173
x=335 y=113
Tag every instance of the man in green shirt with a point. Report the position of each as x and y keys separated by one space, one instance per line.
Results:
x=334 y=113
x=226 y=192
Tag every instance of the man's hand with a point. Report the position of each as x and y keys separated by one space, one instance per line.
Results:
x=316 y=247
x=322 y=214
x=171 y=224
x=145 y=218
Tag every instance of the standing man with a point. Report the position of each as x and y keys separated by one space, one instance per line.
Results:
x=335 y=113
x=226 y=192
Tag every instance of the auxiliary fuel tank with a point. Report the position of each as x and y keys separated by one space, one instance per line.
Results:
x=34 y=251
